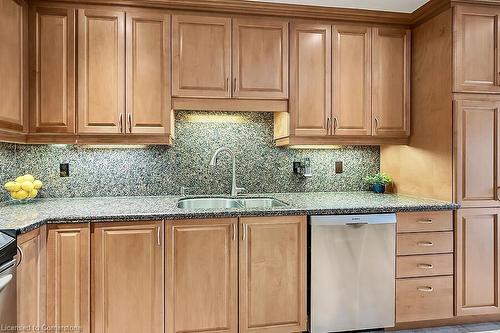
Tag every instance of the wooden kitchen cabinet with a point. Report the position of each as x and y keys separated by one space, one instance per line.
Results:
x=31 y=281
x=101 y=71
x=260 y=58
x=352 y=67
x=477 y=152
x=272 y=272
x=477 y=261
x=148 y=73
x=202 y=276
x=310 y=79
x=13 y=65
x=68 y=275
x=127 y=277
x=201 y=64
x=391 y=82
x=52 y=65
x=476 y=57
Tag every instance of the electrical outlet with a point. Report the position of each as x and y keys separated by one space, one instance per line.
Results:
x=339 y=167
x=64 y=170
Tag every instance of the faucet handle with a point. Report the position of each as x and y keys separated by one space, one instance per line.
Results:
x=240 y=189
x=185 y=190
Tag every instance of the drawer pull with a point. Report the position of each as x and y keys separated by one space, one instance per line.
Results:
x=425 y=221
x=425 y=289
x=425 y=243
x=425 y=266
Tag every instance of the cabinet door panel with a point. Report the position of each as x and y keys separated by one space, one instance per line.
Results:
x=52 y=59
x=127 y=279
x=148 y=70
x=201 y=64
x=260 y=58
x=201 y=282
x=13 y=89
x=351 y=80
x=310 y=74
x=476 y=54
x=101 y=71
x=68 y=276
x=273 y=274
x=477 y=261
x=391 y=82
x=477 y=124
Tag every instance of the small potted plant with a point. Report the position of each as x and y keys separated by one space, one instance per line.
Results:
x=378 y=181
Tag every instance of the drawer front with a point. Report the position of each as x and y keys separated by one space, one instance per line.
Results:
x=425 y=243
x=424 y=298
x=425 y=221
x=424 y=265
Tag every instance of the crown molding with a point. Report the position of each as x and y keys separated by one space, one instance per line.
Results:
x=429 y=10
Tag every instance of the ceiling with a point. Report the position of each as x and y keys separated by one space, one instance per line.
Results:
x=404 y=6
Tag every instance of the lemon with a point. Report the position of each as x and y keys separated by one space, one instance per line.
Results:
x=29 y=178
x=37 y=184
x=21 y=194
x=33 y=193
x=20 y=179
x=27 y=186
x=12 y=186
x=13 y=195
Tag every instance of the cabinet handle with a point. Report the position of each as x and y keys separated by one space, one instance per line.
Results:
x=227 y=84
x=425 y=243
x=376 y=123
x=425 y=221
x=334 y=125
x=234 y=231
x=426 y=289
x=129 y=123
x=234 y=85
x=425 y=266
x=21 y=256
x=244 y=232
x=328 y=121
x=121 y=122
x=158 y=240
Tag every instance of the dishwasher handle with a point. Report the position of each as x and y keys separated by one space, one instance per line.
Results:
x=353 y=220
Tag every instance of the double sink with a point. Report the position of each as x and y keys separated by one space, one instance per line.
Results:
x=217 y=202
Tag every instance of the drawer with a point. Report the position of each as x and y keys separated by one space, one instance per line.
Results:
x=425 y=243
x=426 y=298
x=425 y=221
x=424 y=265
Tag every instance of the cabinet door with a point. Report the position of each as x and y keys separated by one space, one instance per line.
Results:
x=101 y=71
x=352 y=68
x=31 y=279
x=52 y=56
x=201 y=64
x=391 y=82
x=477 y=261
x=13 y=82
x=476 y=54
x=477 y=144
x=310 y=84
x=148 y=72
x=68 y=276
x=201 y=281
x=273 y=274
x=260 y=58
x=127 y=288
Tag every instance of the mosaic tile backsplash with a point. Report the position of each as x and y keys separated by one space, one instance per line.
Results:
x=158 y=170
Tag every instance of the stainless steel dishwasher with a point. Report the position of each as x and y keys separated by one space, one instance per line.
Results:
x=352 y=272
x=8 y=303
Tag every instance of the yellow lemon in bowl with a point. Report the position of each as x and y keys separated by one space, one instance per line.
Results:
x=33 y=193
x=21 y=195
x=12 y=186
x=27 y=186
x=20 y=179
x=37 y=184
x=29 y=178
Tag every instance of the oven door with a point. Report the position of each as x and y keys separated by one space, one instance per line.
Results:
x=8 y=299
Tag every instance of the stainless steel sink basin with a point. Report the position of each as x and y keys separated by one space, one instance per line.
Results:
x=210 y=203
x=207 y=203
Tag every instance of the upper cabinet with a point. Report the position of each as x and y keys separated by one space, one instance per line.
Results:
x=260 y=58
x=101 y=71
x=207 y=64
x=201 y=56
x=52 y=65
x=476 y=53
x=13 y=60
x=391 y=82
x=310 y=73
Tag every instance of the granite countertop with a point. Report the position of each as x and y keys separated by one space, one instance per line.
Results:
x=24 y=217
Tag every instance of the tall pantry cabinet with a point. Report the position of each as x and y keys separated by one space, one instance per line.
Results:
x=455 y=145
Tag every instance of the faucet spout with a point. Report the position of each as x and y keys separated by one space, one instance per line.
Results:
x=213 y=162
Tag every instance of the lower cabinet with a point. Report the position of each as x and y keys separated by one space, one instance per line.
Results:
x=477 y=261
x=127 y=277
x=202 y=275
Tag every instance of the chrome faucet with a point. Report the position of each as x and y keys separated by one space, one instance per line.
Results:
x=213 y=162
